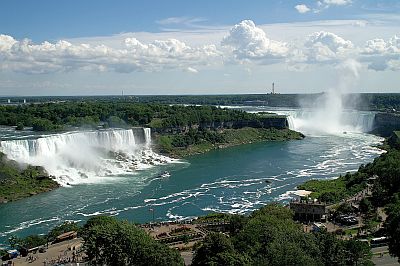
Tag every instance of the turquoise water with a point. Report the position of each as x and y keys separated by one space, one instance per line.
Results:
x=229 y=180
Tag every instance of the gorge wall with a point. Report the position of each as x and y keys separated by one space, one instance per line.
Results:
x=278 y=122
x=386 y=123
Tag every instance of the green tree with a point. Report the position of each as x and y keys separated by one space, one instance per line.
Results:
x=13 y=240
x=357 y=253
x=392 y=226
x=63 y=228
x=20 y=126
x=345 y=208
x=32 y=241
x=43 y=124
x=217 y=249
x=236 y=224
x=366 y=206
x=112 y=242
x=332 y=251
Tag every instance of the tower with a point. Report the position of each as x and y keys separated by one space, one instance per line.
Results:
x=273 y=88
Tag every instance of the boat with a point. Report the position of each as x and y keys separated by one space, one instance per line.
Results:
x=165 y=174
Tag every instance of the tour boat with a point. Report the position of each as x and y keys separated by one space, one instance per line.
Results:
x=165 y=174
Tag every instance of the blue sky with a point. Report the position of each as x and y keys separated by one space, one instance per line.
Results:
x=51 y=20
x=196 y=47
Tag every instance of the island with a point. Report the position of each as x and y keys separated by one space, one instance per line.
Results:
x=21 y=181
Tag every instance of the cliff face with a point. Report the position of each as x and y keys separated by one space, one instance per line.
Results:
x=394 y=140
x=265 y=122
x=386 y=123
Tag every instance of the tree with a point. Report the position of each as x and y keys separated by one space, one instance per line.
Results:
x=20 y=126
x=32 y=241
x=392 y=226
x=357 y=253
x=42 y=124
x=217 y=249
x=331 y=249
x=345 y=208
x=236 y=224
x=112 y=242
x=13 y=240
x=63 y=228
x=365 y=206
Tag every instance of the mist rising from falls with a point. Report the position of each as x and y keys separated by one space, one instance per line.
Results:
x=87 y=157
x=309 y=121
x=327 y=114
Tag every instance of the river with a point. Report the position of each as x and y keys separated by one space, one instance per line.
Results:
x=232 y=180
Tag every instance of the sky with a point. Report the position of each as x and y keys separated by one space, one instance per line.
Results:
x=99 y=47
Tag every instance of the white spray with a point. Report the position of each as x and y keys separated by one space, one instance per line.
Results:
x=87 y=157
x=327 y=114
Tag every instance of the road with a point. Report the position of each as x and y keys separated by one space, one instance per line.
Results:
x=386 y=259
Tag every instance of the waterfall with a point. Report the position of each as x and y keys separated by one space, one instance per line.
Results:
x=291 y=122
x=309 y=121
x=87 y=156
x=147 y=135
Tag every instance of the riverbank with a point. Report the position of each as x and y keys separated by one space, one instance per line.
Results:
x=198 y=142
x=336 y=190
x=17 y=182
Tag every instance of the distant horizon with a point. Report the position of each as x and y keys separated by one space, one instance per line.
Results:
x=160 y=95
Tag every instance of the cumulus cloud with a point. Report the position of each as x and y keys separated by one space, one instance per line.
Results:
x=381 y=55
x=326 y=47
x=245 y=41
x=302 y=8
x=25 y=56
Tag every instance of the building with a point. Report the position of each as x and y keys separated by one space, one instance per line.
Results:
x=309 y=211
x=66 y=236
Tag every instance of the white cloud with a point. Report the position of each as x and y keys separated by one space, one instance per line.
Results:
x=192 y=70
x=180 y=20
x=326 y=47
x=337 y=2
x=243 y=43
x=381 y=55
x=6 y=42
x=302 y=8
x=325 y=4
x=25 y=56
x=247 y=42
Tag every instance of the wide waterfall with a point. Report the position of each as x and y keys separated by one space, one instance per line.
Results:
x=309 y=121
x=88 y=156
